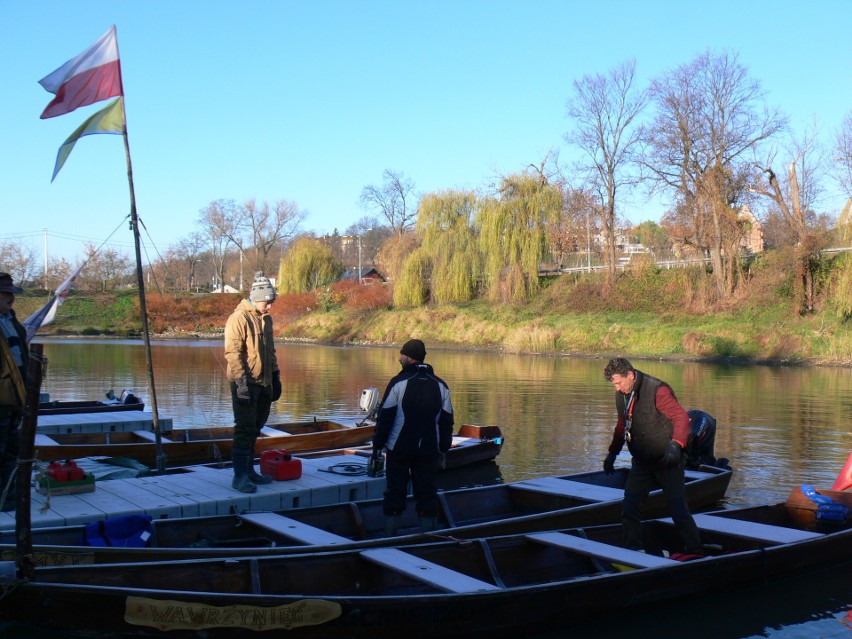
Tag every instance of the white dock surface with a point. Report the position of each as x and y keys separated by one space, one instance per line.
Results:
x=108 y=422
x=197 y=491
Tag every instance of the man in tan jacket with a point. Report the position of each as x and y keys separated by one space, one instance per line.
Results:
x=254 y=377
x=14 y=357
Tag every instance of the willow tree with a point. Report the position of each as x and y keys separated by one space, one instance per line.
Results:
x=412 y=287
x=513 y=235
x=394 y=252
x=308 y=265
x=445 y=226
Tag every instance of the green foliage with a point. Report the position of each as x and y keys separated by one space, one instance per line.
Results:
x=444 y=224
x=513 y=236
x=652 y=236
x=412 y=286
x=842 y=276
x=328 y=299
x=308 y=265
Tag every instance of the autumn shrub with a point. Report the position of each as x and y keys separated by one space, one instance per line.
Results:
x=292 y=306
x=363 y=298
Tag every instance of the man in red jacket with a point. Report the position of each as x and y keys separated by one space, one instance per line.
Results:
x=656 y=429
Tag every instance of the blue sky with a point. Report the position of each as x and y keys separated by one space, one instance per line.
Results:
x=311 y=100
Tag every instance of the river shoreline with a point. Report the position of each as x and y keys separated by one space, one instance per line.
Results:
x=197 y=336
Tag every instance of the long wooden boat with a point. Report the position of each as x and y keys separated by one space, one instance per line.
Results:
x=188 y=446
x=505 y=585
x=472 y=444
x=532 y=505
x=63 y=407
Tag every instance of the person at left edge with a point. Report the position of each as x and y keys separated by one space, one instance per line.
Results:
x=415 y=424
x=253 y=376
x=14 y=356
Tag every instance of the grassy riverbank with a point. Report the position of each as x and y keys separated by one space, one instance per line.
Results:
x=649 y=313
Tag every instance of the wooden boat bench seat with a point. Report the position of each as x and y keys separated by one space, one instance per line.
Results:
x=568 y=488
x=749 y=529
x=266 y=431
x=150 y=436
x=293 y=529
x=425 y=571
x=599 y=550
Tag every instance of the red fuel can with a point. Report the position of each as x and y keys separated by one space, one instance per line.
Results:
x=75 y=473
x=279 y=465
x=55 y=470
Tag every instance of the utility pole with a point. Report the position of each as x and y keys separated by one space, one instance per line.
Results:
x=46 y=287
x=360 y=279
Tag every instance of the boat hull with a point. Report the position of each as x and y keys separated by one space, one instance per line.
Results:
x=503 y=586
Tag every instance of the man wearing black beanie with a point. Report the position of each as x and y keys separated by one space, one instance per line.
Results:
x=415 y=425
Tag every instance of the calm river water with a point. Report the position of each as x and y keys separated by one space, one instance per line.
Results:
x=779 y=427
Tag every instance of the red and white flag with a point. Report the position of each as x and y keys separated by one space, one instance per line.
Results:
x=45 y=315
x=92 y=76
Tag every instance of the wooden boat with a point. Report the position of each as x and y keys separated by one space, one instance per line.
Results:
x=62 y=407
x=471 y=445
x=124 y=402
x=188 y=446
x=532 y=505
x=505 y=585
x=184 y=447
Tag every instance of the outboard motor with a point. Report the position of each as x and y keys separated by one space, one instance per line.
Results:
x=702 y=441
x=369 y=401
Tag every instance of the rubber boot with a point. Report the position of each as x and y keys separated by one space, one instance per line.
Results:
x=428 y=523
x=242 y=462
x=392 y=524
x=254 y=476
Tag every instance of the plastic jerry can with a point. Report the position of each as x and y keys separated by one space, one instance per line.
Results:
x=280 y=465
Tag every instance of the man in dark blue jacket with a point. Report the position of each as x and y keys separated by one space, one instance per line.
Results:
x=415 y=425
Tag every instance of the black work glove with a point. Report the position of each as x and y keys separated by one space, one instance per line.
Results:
x=276 y=386
x=609 y=464
x=243 y=394
x=672 y=456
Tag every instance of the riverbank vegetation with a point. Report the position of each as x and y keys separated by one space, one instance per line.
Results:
x=648 y=312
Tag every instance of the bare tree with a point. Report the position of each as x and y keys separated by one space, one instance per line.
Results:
x=21 y=262
x=575 y=230
x=219 y=221
x=106 y=269
x=605 y=108
x=709 y=114
x=179 y=265
x=394 y=200
x=268 y=227
x=371 y=234
x=843 y=158
x=795 y=196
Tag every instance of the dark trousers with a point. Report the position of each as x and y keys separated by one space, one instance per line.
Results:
x=422 y=471
x=640 y=481
x=250 y=418
x=10 y=438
